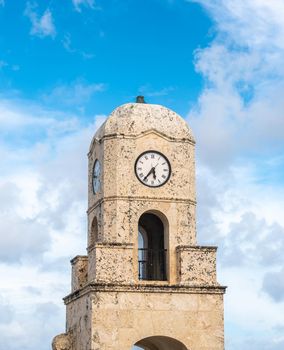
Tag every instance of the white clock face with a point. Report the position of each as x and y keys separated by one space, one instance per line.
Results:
x=152 y=168
x=96 y=177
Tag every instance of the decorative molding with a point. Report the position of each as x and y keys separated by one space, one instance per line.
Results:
x=138 y=136
x=78 y=257
x=195 y=247
x=110 y=245
x=158 y=287
x=131 y=199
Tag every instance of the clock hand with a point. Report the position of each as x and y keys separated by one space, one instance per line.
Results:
x=148 y=174
x=153 y=171
x=156 y=165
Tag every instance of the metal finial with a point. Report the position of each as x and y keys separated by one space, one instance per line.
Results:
x=140 y=99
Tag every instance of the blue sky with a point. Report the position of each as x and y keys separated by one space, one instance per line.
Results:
x=64 y=66
x=150 y=41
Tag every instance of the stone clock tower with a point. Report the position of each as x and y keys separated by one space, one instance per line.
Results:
x=145 y=282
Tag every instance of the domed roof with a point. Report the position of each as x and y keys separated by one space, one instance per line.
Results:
x=133 y=119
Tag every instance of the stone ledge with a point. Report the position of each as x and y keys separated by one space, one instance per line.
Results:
x=111 y=245
x=119 y=135
x=196 y=247
x=197 y=265
x=77 y=258
x=79 y=272
x=149 y=199
x=145 y=288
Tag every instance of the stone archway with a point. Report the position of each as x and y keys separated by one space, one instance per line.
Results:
x=159 y=343
x=151 y=248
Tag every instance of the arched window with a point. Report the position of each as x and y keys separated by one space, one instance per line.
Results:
x=94 y=232
x=151 y=248
x=159 y=343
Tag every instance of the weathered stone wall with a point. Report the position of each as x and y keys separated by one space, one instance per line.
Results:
x=79 y=272
x=119 y=225
x=122 y=319
x=118 y=218
x=79 y=322
x=197 y=265
x=109 y=307
x=129 y=131
x=118 y=176
x=111 y=263
x=134 y=118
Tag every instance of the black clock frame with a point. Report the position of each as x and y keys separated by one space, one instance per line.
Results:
x=170 y=168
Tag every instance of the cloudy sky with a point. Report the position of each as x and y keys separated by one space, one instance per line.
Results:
x=64 y=66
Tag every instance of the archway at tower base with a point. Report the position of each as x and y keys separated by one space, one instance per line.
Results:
x=159 y=343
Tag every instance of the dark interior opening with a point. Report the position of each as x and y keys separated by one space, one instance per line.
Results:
x=151 y=249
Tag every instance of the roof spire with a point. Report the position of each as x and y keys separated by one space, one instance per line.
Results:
x=140 y=99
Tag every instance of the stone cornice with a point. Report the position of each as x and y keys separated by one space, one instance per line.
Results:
x=145 y=288
x=149 y=199
x=137 y=136
x=77 y=258
x=110 y=245
x=196 y=247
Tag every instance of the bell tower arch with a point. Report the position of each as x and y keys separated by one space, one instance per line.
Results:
x=144 y=276
x=152 y=248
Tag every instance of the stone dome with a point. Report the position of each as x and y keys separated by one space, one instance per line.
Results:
x=133 y=119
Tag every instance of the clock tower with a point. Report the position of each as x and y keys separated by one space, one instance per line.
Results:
x=144 y=281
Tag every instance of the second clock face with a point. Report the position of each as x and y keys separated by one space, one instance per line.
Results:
x=96 y=177
x=152 y=168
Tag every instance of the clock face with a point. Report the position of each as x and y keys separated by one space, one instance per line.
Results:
x=152 y=168
x=96 y=177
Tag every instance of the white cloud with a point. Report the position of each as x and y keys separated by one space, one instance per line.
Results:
x=67 y=44
x=147 y=90
x=43 y=194
x=273 y=284
x=253 y=241
x=42 y=26
x=20 y=116
x=239 y=127
x=6 y=312
x=241 y=108
x=78 y=4
x=253 y=23
x=76 y=93
x=2 y=3
x=32 y=331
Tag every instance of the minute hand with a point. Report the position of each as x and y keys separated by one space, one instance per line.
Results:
x=152 y=169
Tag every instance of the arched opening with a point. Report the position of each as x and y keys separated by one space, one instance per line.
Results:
x=151 y=248
x=159 y=343
x=94 y=232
